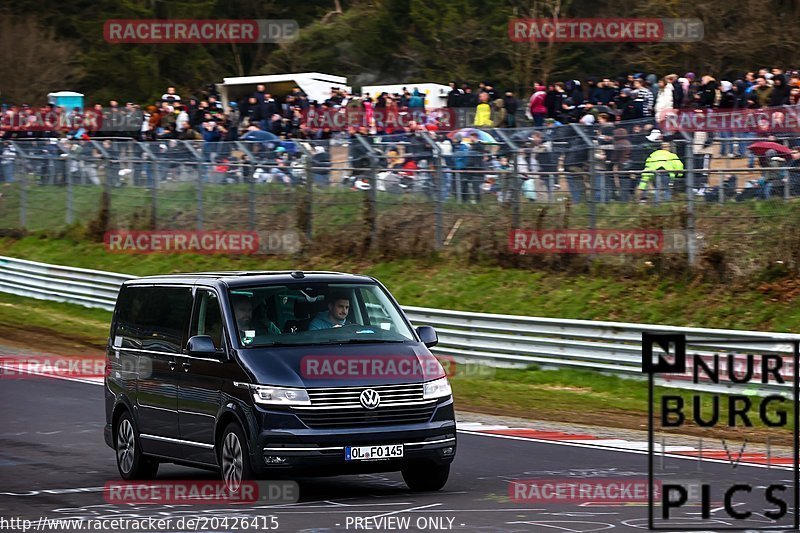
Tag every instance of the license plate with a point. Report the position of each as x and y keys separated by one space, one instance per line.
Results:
x=372 y=453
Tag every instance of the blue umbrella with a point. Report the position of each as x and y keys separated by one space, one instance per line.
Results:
x=466 y=132
x=259 y=136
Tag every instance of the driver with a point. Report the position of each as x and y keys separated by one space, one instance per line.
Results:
x=335 y=316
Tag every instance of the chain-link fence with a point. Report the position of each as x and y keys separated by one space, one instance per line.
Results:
x=424 y=191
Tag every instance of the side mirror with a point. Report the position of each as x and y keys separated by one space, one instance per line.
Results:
x=428 y=336
x=201 y=345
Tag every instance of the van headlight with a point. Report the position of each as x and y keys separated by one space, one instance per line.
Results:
x=266 y=395
x=438 y=388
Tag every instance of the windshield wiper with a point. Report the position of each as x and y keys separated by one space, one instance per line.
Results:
x=358 y=341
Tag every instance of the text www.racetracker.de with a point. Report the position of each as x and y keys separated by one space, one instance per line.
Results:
x=185 y=523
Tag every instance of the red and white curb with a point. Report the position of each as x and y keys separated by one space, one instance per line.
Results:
x=585 y=440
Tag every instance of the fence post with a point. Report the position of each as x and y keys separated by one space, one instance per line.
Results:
x=439 y=189
x=200 y=198
x=785 y=185
x=373 y=199
x=690 y=245
x=251 y=203
x=68 y=174
x=308 y=223
x=23 y=198
x=590 y=197
x=513 y=187
x=153 y=205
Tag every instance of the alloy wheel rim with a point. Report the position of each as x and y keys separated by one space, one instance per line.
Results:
x=125 y=446
x=232 y=462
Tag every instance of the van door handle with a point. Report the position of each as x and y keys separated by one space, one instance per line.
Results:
x=172 y=365
x=186 y=366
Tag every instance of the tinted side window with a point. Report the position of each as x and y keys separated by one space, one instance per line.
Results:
x=131 y=316
x=167 y=313
x=207 y=318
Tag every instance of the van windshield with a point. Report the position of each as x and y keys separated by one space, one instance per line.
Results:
x=316 y=313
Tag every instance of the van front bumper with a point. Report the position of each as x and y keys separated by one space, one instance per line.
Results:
x=322 y=451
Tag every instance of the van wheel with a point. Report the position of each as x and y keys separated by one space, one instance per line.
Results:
x=130 y=461
x=234 y=458
x=422 y=477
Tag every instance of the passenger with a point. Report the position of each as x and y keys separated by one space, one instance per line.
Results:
x=250 y=323
x=335 y=316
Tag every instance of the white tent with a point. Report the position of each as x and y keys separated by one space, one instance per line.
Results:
x=315 y=84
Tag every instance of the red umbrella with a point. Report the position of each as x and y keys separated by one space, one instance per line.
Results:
x=762 y=147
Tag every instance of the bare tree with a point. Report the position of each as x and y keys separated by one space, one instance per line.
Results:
x=33 y=62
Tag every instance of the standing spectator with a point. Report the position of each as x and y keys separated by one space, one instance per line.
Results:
x=417 y=101
x=511 y=105
x=170 y=96
x=626 y=106
x=645 y=101
x=707 y=97
x=727 y=103
x=780 y=91
x=665 y=101
x=762 y=92
x=454 y=96
x=7 y=159
x=483 y=112
x=622 y=164
x=536 y=106
x=547 y=156
x=475 y=164
x=575 y=163
x=662 y=166
x=498 y=114
x=321 y=165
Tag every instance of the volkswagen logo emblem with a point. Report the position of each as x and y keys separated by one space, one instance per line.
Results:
x=370 y=398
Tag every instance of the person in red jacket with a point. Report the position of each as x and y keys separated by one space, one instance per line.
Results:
x=536 y=106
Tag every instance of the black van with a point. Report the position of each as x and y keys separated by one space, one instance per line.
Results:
x=256 y=374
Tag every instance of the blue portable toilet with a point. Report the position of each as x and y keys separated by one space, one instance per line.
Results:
x=69 y=100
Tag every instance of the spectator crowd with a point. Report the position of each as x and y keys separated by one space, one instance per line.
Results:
x=620 y=116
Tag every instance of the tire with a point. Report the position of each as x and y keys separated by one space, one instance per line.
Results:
x=426 y=477
x=132 y=465
x=234 y=458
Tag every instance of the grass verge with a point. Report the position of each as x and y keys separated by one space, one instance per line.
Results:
x=450 y=284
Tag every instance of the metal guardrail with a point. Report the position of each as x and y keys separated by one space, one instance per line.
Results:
x=502 y=339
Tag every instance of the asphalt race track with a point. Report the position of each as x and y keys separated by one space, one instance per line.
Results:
x=54 y=463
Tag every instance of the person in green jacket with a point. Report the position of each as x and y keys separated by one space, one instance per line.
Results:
x=665 y=166
x=483 y=112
